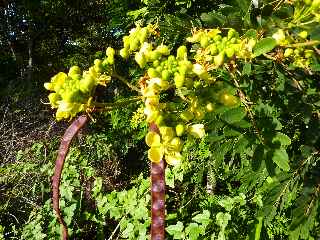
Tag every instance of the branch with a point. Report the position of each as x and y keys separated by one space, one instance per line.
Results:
x=122 y=79
x=157 y=196
x=243 y=99
x=304 y=44
x=69 y=134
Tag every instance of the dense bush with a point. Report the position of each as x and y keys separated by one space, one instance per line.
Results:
x=238 y=112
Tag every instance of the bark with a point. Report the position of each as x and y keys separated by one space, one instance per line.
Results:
x=157 y=196
x=69 y=134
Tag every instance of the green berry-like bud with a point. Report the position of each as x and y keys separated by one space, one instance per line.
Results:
x=229 y=100
x=186 y=116
x=154 y=55
x=288 y=52
x=165 y=74
x=134 y=44
x=219 y=59
x=140 y=59
x=126 y=42
x=98 y=65
x=179 y=80
x=204 y=41
x=171 y=59
x=182 y=53
x=153 y=73
x=180 y=129
x=163 y=49
x=87 y=83
x=110 y=51
x=232 y=33
x=74 y=70
x=209 y=107
x=303 y=34
x=229 y=51
x=213 y=49
x=124 y=53
x=199 y=114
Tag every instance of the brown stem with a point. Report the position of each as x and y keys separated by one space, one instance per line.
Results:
x=69 y=134
x=157 y=196
x=304 y=44
x=122 y=79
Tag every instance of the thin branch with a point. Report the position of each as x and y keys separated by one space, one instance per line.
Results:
x=304 y=44
x=122 y=79
x=116 y=229
x=244 y=100
x=121 y=103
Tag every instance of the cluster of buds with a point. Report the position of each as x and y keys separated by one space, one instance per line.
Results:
x=214 y=49
x=72 y=92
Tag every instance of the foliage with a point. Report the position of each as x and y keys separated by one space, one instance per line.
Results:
x=254 y=171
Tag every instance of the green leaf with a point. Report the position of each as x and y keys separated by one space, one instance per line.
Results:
x=229 y=132
x=222 y=219
x=251 y=33
x=202 y=218
x=128 y=231
x=246 y=70
x=233 y=115
x=193 y=231
x=227 y=203
x=283 y=139
x=256 y=231
x=257 y=157
x=264 y=45
x=169 y=177
x=69 y=212
x=281 y=158
x=176 y=230
x=213 y=18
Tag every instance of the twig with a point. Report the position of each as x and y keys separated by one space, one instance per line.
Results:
x=122 y=79
x=304 y=44
x=243 y=99
x=116 y=229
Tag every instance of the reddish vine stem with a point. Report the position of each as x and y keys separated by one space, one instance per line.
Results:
x=69 y=134
x=157 y=196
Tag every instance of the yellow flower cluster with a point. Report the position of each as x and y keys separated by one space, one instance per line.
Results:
x=71 y=92
x=215 y=49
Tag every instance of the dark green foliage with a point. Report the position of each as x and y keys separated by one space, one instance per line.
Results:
x=254 y=176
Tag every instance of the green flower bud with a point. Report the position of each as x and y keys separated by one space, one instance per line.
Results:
x=74 y=70
x=204 y=41
x=228 y=100
x=288 y=52
x=124 y=53
x=165 y=74
x=153 y=73
x=180 y=129
x=303 y=34
x=140 y=59
x=163 y=49
x=53 y=99
x=182 y=53
x=197 y=130
x=219 y=59
x=126 y=42
x=186 y=116
x=179 y=80
x=229 y=51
